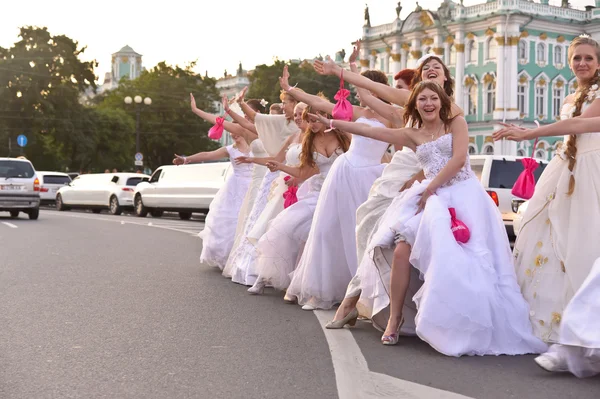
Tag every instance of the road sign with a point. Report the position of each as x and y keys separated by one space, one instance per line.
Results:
x=22 y=140
x=139 y=157
x=139 y=163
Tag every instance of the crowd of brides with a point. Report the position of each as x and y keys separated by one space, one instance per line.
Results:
x=320 y=208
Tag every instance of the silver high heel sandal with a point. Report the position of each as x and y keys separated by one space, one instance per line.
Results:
x=349 y=319
x=258 y=288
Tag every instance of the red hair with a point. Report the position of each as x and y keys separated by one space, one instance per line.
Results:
x=406 y=75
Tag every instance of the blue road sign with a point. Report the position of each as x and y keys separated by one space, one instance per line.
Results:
x=22 y=140
x=139 y=156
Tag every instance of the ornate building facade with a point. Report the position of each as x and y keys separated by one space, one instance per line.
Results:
x=124 y=63
x=508 y=59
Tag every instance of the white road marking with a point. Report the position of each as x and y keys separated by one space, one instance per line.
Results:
x=354 y=379
x=10 y=225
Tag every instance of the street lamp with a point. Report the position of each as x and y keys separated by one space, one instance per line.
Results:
x=138 y=101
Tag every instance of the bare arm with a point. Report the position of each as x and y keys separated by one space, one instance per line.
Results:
x=314 y=101
x=299 y=172
x=383 y=91
x=460 y=149
x=239 y=118
x=249 y=112
x=280 y=157
x=202 y=156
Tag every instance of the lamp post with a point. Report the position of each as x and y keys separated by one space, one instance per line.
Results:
x=138 y=101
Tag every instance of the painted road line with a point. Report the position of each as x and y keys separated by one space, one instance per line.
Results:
x=354 y=379
x=12 y=226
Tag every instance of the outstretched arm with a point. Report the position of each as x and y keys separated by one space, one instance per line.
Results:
x=299 y=172
x=201 y=157
x=386 y=92
x=315 y=102
x=280 y=157
x=250 y=113
x=569 y=126
x=397 y=137
x=230 y=127
x=239 y=118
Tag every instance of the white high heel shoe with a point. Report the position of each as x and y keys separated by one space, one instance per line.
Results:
x=258 y=288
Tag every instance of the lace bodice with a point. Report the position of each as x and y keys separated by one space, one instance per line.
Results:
x=434 y=155
x=244 y=169
x=324 y=163
x=365 y=151
x=292 y=155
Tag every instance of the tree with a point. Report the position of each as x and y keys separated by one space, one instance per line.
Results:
x=264 y=81
x=167 y=126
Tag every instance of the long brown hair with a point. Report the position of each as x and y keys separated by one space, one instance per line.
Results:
x=308 y=139
x=411 y=113
x=581 y=96
x=448 y=84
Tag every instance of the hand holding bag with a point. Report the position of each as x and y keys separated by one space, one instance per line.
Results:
x=216 y=132
x=525 y=185
x=342 y=109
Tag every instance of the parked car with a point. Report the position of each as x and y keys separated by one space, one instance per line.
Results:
x=73 y=175
x=519 y=207
x=98 y=191
x=184 y=189
x=50 y=182
x=498 y=174
x=19 y=188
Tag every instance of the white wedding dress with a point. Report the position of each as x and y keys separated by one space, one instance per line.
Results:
x=219 y=228
x=558 y=243
x=470 y=302
x=329 y=259
x=280 y=247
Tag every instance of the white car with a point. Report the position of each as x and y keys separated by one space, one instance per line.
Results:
x=497 y=174
x=184 y=189
x=520 y=207
x=98 y=191
x=50 y=183
x=19 y=188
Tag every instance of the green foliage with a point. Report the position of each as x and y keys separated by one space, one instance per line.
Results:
x=264 y=81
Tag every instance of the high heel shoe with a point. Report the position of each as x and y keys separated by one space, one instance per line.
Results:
x=258 y=288
x=392 y=339
x=350 y=319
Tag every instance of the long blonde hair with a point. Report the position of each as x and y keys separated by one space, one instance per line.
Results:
x=581 y=96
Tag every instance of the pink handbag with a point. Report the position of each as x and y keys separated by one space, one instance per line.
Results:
x=459 y=229
x=342 y=110
x=525 y=185
x=289 y=197
x=216 y=131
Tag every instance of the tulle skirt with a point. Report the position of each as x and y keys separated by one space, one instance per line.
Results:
x=470 y=303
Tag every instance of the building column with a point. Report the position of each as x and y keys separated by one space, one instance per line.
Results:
x=438 y=47
x=415 y=53
x=396 y=57
x=386 y=62
x=501 y=82
x=459 y=77
x=373 y=59
x=364 y=59
x=404 y=56
x=447 y=53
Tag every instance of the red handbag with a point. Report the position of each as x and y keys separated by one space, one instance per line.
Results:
x=525 y=185
x=342 y=109
x=289 y=197
x=459 y=229
x=216 y=132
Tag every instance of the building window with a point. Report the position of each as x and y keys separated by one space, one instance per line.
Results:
x=472 y=149
x=540 y=154
x=472 y=100
x=558 y=56
x=472 y=52
x=452 y=55
x=488 y=150
x=541 y=53
x=490 y=96
x=540 y=101
x=557 y=101
x=521 y=96
x=492 y=49
x=520 y=152
x=522 y=50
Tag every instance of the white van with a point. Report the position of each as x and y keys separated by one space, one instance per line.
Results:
x=184 y=189
x=50 y=183
x=497 y=174
x=98 y=191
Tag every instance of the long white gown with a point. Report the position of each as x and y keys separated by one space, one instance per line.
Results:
x=558 y=243
x=258 y=173
x=470 y=303
x=219 y=228
x=367 y=283
x=329 y=260
x=273 y=130
x=280 y=247
x=579 y=348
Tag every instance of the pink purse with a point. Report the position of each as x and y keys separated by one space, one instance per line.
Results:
x=216 y=132
x=459 y=229
x=342 y=110
x=289 y=197
x=525 y=185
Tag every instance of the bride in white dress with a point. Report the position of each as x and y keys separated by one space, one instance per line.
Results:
x=558 y=241
x=470 y=302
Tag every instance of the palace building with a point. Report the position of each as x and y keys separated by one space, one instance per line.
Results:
x=508 y=59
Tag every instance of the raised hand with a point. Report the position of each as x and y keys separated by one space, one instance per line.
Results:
x=193 y=102
x=325 y=68
x=355 y=52
x=225 y=102
x=241 y=95
x=179 y=159
x=284 y=79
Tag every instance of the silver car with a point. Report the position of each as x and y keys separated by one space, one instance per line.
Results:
x=19 y=188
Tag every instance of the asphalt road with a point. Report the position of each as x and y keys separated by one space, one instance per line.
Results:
x=98 y=306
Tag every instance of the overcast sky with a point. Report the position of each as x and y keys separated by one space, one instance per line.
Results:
x=218 y=34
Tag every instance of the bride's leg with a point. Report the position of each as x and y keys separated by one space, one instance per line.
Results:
x=399 y=279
